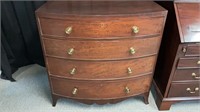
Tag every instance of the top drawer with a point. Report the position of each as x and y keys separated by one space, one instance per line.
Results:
x=97 y=28
x=192 y=50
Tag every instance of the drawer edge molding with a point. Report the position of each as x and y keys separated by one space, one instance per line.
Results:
x=116 y=59
x=68 y=17
x=99 y=98
x=104 y=38
x=107 y=79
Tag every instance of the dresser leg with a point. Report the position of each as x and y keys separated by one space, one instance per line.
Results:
x=165 y=105
x=54 y=100
x=146 y=97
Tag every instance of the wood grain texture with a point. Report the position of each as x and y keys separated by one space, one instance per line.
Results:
x=102 y=50
x=101 y=38
x=104 y=28
x=101 y=89
x=181 y=91
x=99 y=8
x=103 y=70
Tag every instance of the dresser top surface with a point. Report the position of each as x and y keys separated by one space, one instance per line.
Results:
x=95 y=8
x=188 y=17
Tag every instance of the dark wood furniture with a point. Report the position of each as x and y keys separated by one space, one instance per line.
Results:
x=177 y=75
x=100 y=51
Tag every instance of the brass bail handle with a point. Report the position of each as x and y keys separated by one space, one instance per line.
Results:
x=135 y=29
x=70 y=51
x=192 y=92
x=68 y=30
x=127 y=90
x=195 y=76
x=129 y=70
x=132 y=50
x=73 y=71
x=198 y=62
x=184 y=49
x=75 y=91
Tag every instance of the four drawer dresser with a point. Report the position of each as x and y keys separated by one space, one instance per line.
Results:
x=100 y=51
x=177 y=75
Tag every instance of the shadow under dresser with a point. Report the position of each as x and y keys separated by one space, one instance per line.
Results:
x=177 y=75
x=100 y=51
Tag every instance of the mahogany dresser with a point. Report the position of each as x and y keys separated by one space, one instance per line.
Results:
x=100 y=52
x=177 y=75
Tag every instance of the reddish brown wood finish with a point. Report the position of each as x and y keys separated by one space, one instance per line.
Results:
x=99 y=8
x=102 y=101
x=193 y=50
x=101 y=37
x=178 y=55
x=107 y=70
x=189 y=22
x=184 y=63
x=186 y=75
x=101 y=28
x=102 y=50
x=95 y=90
x=179 y=90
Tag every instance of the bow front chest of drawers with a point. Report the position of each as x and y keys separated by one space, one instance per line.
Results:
x=100 y=52
x=177 y=75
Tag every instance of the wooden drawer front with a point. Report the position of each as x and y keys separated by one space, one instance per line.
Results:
x=101 y=89
x=99 y=27
x=181 y=90
x=100 y=70
x=189 y=63
x=108 y=50
x=193 y=50
x=187 y=74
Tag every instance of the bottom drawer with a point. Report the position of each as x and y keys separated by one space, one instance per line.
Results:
x=101 y=89
x=184 y=90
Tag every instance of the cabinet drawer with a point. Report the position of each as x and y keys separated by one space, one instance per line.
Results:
x=107 y=50
x=192 y=50
x=100 y=89
x=184 y=90
x=187 y=74
x=101 y=27
x=189 y=63
x=101 y=69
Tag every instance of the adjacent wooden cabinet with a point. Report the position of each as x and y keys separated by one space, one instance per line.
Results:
x=177 y=75
x=100 y=51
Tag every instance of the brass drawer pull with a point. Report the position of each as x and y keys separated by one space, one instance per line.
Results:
x=195 y=76
x=192 y=92
x=129 y=70
x=127 y=90
x=198 y=62
x=132 y=50
x=68 y=30
x=70 y=51
x=73 y=71
x=75 y=91
x=135 y=29
x=184 y=49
